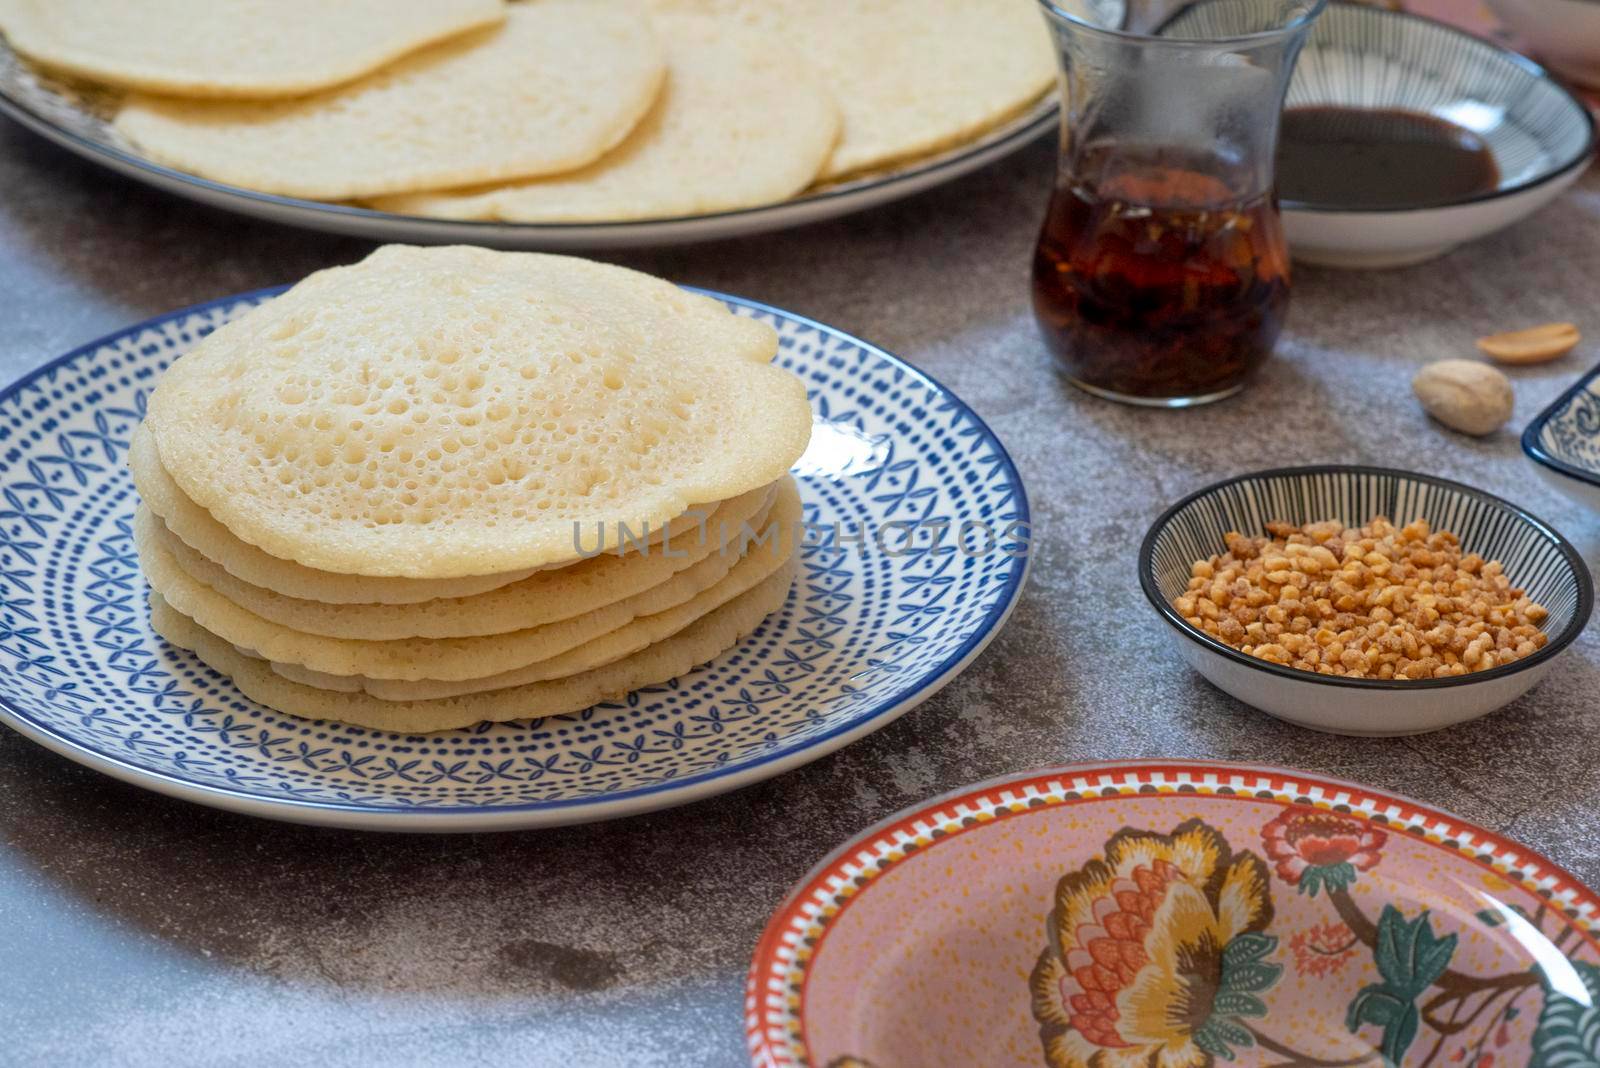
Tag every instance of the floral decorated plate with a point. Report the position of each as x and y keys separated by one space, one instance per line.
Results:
x=1180 y=915
x=915 y=552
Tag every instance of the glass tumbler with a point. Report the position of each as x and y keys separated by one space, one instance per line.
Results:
x=1161 y=275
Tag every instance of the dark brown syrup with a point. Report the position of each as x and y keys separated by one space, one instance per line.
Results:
x=1379 y=158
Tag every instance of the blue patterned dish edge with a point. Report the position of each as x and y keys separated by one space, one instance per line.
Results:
x=1569 y=425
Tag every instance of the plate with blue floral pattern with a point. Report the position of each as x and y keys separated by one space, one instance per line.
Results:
x=915 y=552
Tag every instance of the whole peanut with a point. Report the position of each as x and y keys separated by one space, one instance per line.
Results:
x=1464 y=395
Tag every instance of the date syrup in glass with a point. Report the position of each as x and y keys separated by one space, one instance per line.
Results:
x=1154 y=283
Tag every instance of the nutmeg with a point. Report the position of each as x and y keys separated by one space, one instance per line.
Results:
x=1464 y=395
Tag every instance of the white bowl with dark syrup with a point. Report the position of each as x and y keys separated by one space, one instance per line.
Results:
x=1403 y=138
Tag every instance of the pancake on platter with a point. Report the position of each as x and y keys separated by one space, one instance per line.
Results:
x=739 y=123
x=434 y=413
x=911 y=77
x=552 y=87
x=367 y=499
x=232 y=48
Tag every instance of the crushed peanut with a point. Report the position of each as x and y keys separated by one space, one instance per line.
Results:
x=1378 y=602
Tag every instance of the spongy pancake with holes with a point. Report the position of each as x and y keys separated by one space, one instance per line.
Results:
x=455 y=659
x=231 y=48
x=739 y=123
x=696 y=644
x=543 y=597
x=910 y=76
x=433 y=413
x=285 y=578
x=641 y=633
x=551 y=88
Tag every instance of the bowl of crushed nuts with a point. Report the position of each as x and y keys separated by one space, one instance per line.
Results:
x=1364 y=600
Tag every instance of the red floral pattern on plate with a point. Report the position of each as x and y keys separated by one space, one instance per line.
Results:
x=1312 y=849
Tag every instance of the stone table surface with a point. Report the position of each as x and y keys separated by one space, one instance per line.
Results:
x=139 y=930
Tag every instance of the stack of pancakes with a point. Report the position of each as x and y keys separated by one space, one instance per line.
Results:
x=452 y=485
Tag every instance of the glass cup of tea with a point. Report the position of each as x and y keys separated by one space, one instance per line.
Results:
x=1161 y=275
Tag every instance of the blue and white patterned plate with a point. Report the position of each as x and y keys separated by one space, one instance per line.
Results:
x=868 y=631
x=1564 y=440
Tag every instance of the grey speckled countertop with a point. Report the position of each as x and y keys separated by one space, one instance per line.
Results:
x=145 y=931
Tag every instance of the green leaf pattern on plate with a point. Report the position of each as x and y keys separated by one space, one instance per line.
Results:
x=1244 y=975
x=1410 y=957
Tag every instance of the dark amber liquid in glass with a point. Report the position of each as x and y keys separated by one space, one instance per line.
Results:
x=1151 y=280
